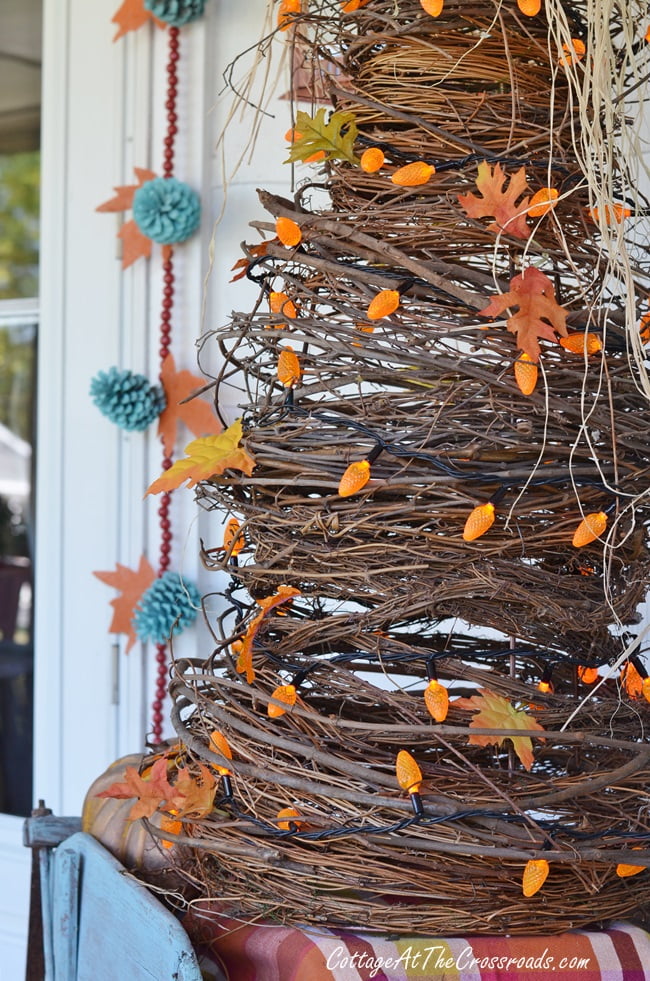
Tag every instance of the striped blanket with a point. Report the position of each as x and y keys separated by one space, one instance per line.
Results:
x=239 y=952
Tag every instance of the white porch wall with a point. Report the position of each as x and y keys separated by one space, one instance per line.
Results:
x=103 y=114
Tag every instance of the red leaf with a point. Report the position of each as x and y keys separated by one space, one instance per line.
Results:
x=132 y=15
x=152 y=789
x=539 y=315
x=197 y=415
x=132 y=583
x=497 y=203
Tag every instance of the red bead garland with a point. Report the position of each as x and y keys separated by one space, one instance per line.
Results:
x=165 y=342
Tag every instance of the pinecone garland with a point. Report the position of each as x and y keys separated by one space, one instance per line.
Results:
x=127 y=399
x=176 y=12
x=170 y=604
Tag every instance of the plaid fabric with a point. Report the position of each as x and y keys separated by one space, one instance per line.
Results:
x=272 y=953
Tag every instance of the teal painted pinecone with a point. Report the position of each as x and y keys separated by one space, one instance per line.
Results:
x=166 y=210
x=127 y=399
x=176 y=12
x=170 y=604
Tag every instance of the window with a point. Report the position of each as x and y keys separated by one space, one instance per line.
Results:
x=20 y=84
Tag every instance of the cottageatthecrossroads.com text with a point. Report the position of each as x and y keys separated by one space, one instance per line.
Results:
x=437 y=958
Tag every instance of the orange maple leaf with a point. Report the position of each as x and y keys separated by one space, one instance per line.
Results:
x=132 y=15
x=206 y=457
x=539 y=313
x=253 y=252
x=194 y=795
x=244 y=663
x=497 y=203
x=135 y=245
x=197 y=415
x=132 y=583
x=123 y=199
x=496 y=712
x=152 y=789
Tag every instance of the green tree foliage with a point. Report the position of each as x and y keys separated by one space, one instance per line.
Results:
x=19 y=208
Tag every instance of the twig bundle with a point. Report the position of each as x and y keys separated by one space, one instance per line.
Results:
x=384 y=579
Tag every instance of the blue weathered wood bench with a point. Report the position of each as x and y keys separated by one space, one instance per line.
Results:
x=98 y=922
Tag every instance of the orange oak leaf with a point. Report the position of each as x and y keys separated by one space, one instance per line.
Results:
x=123 y=199
x=194 y=796
x=135 y=245
x=496 y=712
x=206 y=457
x=132 y=15
x=132 y=583
x=539 y=314
x=152 y=789
x=496 y=203
x=197 y=415
x=244 y=663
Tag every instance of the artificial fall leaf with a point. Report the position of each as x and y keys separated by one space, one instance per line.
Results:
x=206 y=457
x=496 y=712
x=496 y=203
x=135 y=245
x=539 y=314
x=194 y=796
x=409 y=775
x=254 y=252
x=197 y=415
x=436 y=699
x=287 y=11
x=581 y=343
x=292 y=135
x=372 y=160
x=589 y=529
x=355 y=477
x=645 y=688
x=131 y=16
x=123 y=199
x=132 y=583
x=631 y=680
x=335 y=136
x=152 y=790
x=288 y=812
x=284 y=594
x=286 y=694
x=529 y=7
x=432 y=7
x=382 y=305
x=288 y=231
x=543 y=200
x=646 y=36
x=479 y=521
x=525 y=374
x=233 y=540
x=219 y=744
x=534 y=877
x=289 y=371
x=413 y=174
